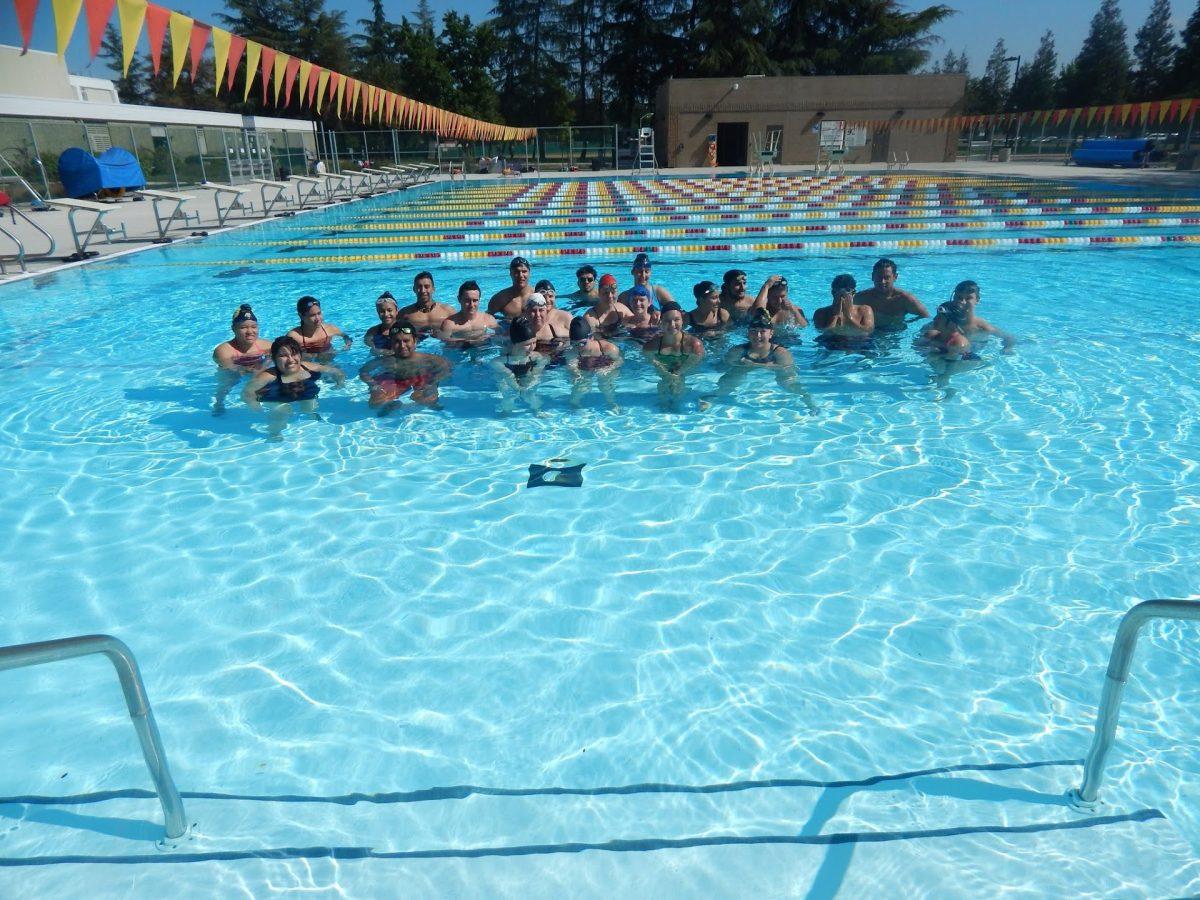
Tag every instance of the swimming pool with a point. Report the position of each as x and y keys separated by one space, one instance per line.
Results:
x=919 y=578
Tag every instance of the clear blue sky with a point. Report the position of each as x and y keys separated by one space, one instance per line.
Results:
x=975 y=27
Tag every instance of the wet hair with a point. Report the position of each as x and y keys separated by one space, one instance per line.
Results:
x=703 y=288
x=243 y=313
x=671 y=306
x=544 y=285
x=761 y=319
x=843 y=284
x=581 y=329
x=285 y=343
x=962 y=288
x=471 y=285
x=885 y=263
x=303 y=304
x=421 y=275
x=586 y=270
x=732 y=275
x=521 y=330
x=517 y=261
x=956 y=311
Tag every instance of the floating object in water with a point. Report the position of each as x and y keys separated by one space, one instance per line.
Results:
x=556 y=473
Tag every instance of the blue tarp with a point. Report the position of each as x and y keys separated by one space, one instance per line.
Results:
x=1114 y=152
x=83 y=175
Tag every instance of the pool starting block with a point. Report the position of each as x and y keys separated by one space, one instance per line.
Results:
x=174 y=203
x=83 y=236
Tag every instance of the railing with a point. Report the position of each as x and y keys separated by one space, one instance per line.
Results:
x=21 y=655
x=1085 y=796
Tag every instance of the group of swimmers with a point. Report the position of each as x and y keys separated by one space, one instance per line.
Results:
x=534 y=333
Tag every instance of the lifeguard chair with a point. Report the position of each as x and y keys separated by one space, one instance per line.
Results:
x=646 y=160
x=766 y=152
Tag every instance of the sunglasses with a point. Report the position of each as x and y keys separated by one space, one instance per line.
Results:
x=587 y=278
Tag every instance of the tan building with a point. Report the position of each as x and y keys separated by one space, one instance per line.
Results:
x=807 y=113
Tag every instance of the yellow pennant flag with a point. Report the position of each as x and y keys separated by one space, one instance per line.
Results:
x=322 y=83
x=253 y=53
x=132 y=14
x=66 y=14
x=305 y=74
x=181 y=38
x=220 y=39
x=281 y=61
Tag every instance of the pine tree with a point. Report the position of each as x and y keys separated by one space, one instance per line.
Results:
x=376 y=48
x=951 y=64
x=728 y=38
x=1155 y=54
x=1187 y=59
x=425 y=17
x=1035 y=87
x=533 y=89
x=989 y=93
x=423 y=73
x=1100 y=73
x=644 y=28
x=131 y=87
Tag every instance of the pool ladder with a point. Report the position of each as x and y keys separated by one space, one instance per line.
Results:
x=1086 y=797
x=22 y=655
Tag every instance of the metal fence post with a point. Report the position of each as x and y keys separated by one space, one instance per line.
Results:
x=171 y=157
x=616 y=150
x=37 y=155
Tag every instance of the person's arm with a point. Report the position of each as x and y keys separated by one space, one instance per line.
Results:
x=223 y=356
x=761 y=299
x=868 y=318
x=613 y=352
x=368 y=372
x=571 y=361
x=651 y=356
x=338 y=376
x=785 y=377
x=664 y=296
x=497 y=303
x=439 y=368
x=257 y=383
x=695 y=356
x=504 y=374
x=1008 y=341
x=914 y=306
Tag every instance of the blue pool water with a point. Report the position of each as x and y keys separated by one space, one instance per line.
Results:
x=917 y=577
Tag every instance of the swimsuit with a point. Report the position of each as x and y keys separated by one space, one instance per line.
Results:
x=769 y=358
x=315 y=348
x=696 y=325
x=394 y=386
x=644 y=332
x=248 y=360
x=672 y=361
x=278 y=391
x=591 y=363
x=381 y=341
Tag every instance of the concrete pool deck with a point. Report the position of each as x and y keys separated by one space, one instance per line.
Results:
x=142 y=232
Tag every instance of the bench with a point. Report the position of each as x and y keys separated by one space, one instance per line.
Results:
x=1111 y=152
x=100 y=210
x=162 y=222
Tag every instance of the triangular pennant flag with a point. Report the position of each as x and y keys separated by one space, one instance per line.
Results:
x=237 y=46
x=1185 y=107
x=289 y=78
x=1091 y=114
x=25 y=12
x=98 y=14
x=181 y=34
x=1163 y=108
x=131 y=14
x=253 y=55
x=268 y=69
x=322 y=84
x=66 y=14
x=341 y=92
x=279 y=69
x=196 y=46
x=156 y=31
x=221 y=39
x=305 y=73
x=354 y=100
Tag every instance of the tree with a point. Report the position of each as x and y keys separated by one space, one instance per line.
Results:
x=425 y=17
x=989 y=93
x=532 y=75
x=646 y=32
x=951 y=64
x=423 y=73
x=727 y=39
x=470 y=53
x=376 y=48
x=1187 y=58
x=1100 y=73
x=1154 y=51
x=1036 y=85
x=132 y=87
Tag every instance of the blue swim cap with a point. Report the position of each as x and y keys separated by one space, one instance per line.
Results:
x=641 y=291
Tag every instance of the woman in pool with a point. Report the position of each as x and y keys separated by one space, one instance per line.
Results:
x=673 y=354
x=552 y=337
x=520 y=369
x=404 y=371
x=709 y=315
x=761 y=353
x=313 y=334
x=244 y=352
x=608 y=315
x=643 y=324
x=589 y=358
x=291 y=380
x=378 y=337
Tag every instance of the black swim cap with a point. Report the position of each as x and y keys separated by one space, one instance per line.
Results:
x=641 y=261
x=517 y=261
x=844 y=283
x=704 y=288
x=544 y=285
x=672 y=306
x=303 y=304
x=581 y=329
x=243 y=313
x=521 y=330
x=761 y=319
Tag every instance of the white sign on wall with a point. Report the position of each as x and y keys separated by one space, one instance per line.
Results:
x=856 y=136
x=833 y=134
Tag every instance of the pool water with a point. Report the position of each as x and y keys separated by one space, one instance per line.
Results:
x=922 y=575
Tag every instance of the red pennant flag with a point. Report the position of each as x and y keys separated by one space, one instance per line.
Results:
x=237 y=46
x=156 y=30
x=25 y=11
x=98 y=14
x=268 y=69
x=334 y=78
x=289 y=76
x=313 y=77
x=196 y=45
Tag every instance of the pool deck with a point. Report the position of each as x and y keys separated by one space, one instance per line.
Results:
x=141 y=231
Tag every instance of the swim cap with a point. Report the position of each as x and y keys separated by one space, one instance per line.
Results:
x=844 y=284
x=544 y=285
x=641 y=261
x=243 y=313
x=671 y=306
x=608 y=281
x=304 y=303
x=781 y=283
x=535 y=301
x=641 y=291
x=761 y=319
x=521 y=330
x=581 y=329
x=704 y=288
x=517 y=261
x=956 y=311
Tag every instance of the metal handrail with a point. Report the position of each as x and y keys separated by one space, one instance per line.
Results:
x=1085 y=796
x=21 y=655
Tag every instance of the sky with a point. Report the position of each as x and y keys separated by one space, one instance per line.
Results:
x=974 y=28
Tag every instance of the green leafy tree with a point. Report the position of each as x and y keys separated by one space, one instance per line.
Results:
x=727 y=39
x=988 y=94
x=423 y=73
x=1187 y=59
x=1154 y=51
x=469 y=52
x=1100 y=73
x=532 y=74
x=1037 y=84
x=376 y=49
x=951 y=64
x=645 y=32
x=425 y=20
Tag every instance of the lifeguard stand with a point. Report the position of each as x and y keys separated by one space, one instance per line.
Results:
x=645 y=155
x=766 y=150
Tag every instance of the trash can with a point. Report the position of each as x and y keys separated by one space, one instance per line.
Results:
x=1004 y=154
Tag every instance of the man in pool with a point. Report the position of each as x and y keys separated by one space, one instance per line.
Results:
x=589 y=292
x=510 y=302
x=889 y=303
x=734 y=298
x=425 y=314
x=405 y=371
x=977 y=329
x=843 y=322
x=641 y=279
x=468 y=327
x=758 y=354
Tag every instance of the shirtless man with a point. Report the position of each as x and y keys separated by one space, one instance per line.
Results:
x=889 y=303
x=641 y=278
x=843 y=318
x=975 y=328
x=734 y=298
x=405 y=371
x=773 y=297
x=511 y=300
x=589 y=292
x=468 y=327
x=425 y=315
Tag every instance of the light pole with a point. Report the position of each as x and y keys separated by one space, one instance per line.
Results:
x=1016 y=75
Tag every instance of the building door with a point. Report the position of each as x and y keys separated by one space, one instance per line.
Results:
x=731 y=143
x=881 y=140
